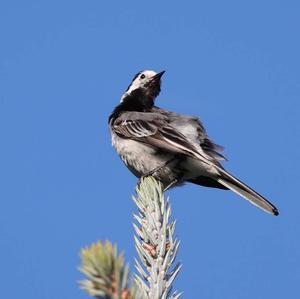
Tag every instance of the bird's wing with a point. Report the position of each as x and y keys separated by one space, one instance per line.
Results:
x=205 y=142
x=155 y=130
x=192 y=128
x=135 y=125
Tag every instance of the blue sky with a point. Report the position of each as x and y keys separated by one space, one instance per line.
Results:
x=63 y=68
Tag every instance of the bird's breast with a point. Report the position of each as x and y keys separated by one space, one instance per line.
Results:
x=142 y=158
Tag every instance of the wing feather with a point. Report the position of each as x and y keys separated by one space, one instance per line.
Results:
x=192 y=128
x=157 y=132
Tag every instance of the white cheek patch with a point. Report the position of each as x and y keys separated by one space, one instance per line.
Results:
x=138 y=83
x=135 y=85
x=123 y=96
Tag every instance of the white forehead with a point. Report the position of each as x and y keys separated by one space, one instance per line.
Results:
x=141 y=78
x=148 y=73
x=139 y=81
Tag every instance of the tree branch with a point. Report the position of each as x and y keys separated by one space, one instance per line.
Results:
x=106 y=272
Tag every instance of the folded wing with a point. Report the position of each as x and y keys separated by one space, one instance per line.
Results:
x=155 y=130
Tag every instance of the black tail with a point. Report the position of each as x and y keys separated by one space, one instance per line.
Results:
x=232 y=183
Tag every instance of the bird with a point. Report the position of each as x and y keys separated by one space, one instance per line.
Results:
x=172 y=147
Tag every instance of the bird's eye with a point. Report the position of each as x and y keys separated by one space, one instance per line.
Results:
x=142 y=76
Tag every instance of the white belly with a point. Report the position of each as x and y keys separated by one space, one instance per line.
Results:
x=137 y=156
x=142 y=159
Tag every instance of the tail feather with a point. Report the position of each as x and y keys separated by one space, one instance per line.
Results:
x=246 y=192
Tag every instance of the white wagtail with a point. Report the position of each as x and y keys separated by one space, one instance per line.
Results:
x=172 y=147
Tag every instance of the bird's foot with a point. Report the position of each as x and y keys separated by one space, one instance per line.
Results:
x=158 y=168
x=174 y=182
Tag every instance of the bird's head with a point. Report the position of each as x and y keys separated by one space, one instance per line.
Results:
x=145 y=82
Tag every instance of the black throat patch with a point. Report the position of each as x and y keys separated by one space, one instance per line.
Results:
x=138 y=100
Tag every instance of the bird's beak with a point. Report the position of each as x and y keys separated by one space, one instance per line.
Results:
x=158 y=75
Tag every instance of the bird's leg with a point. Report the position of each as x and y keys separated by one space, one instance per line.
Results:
x=159 y=167
x=175 y=181
x=178 y=179
x=155 y=170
